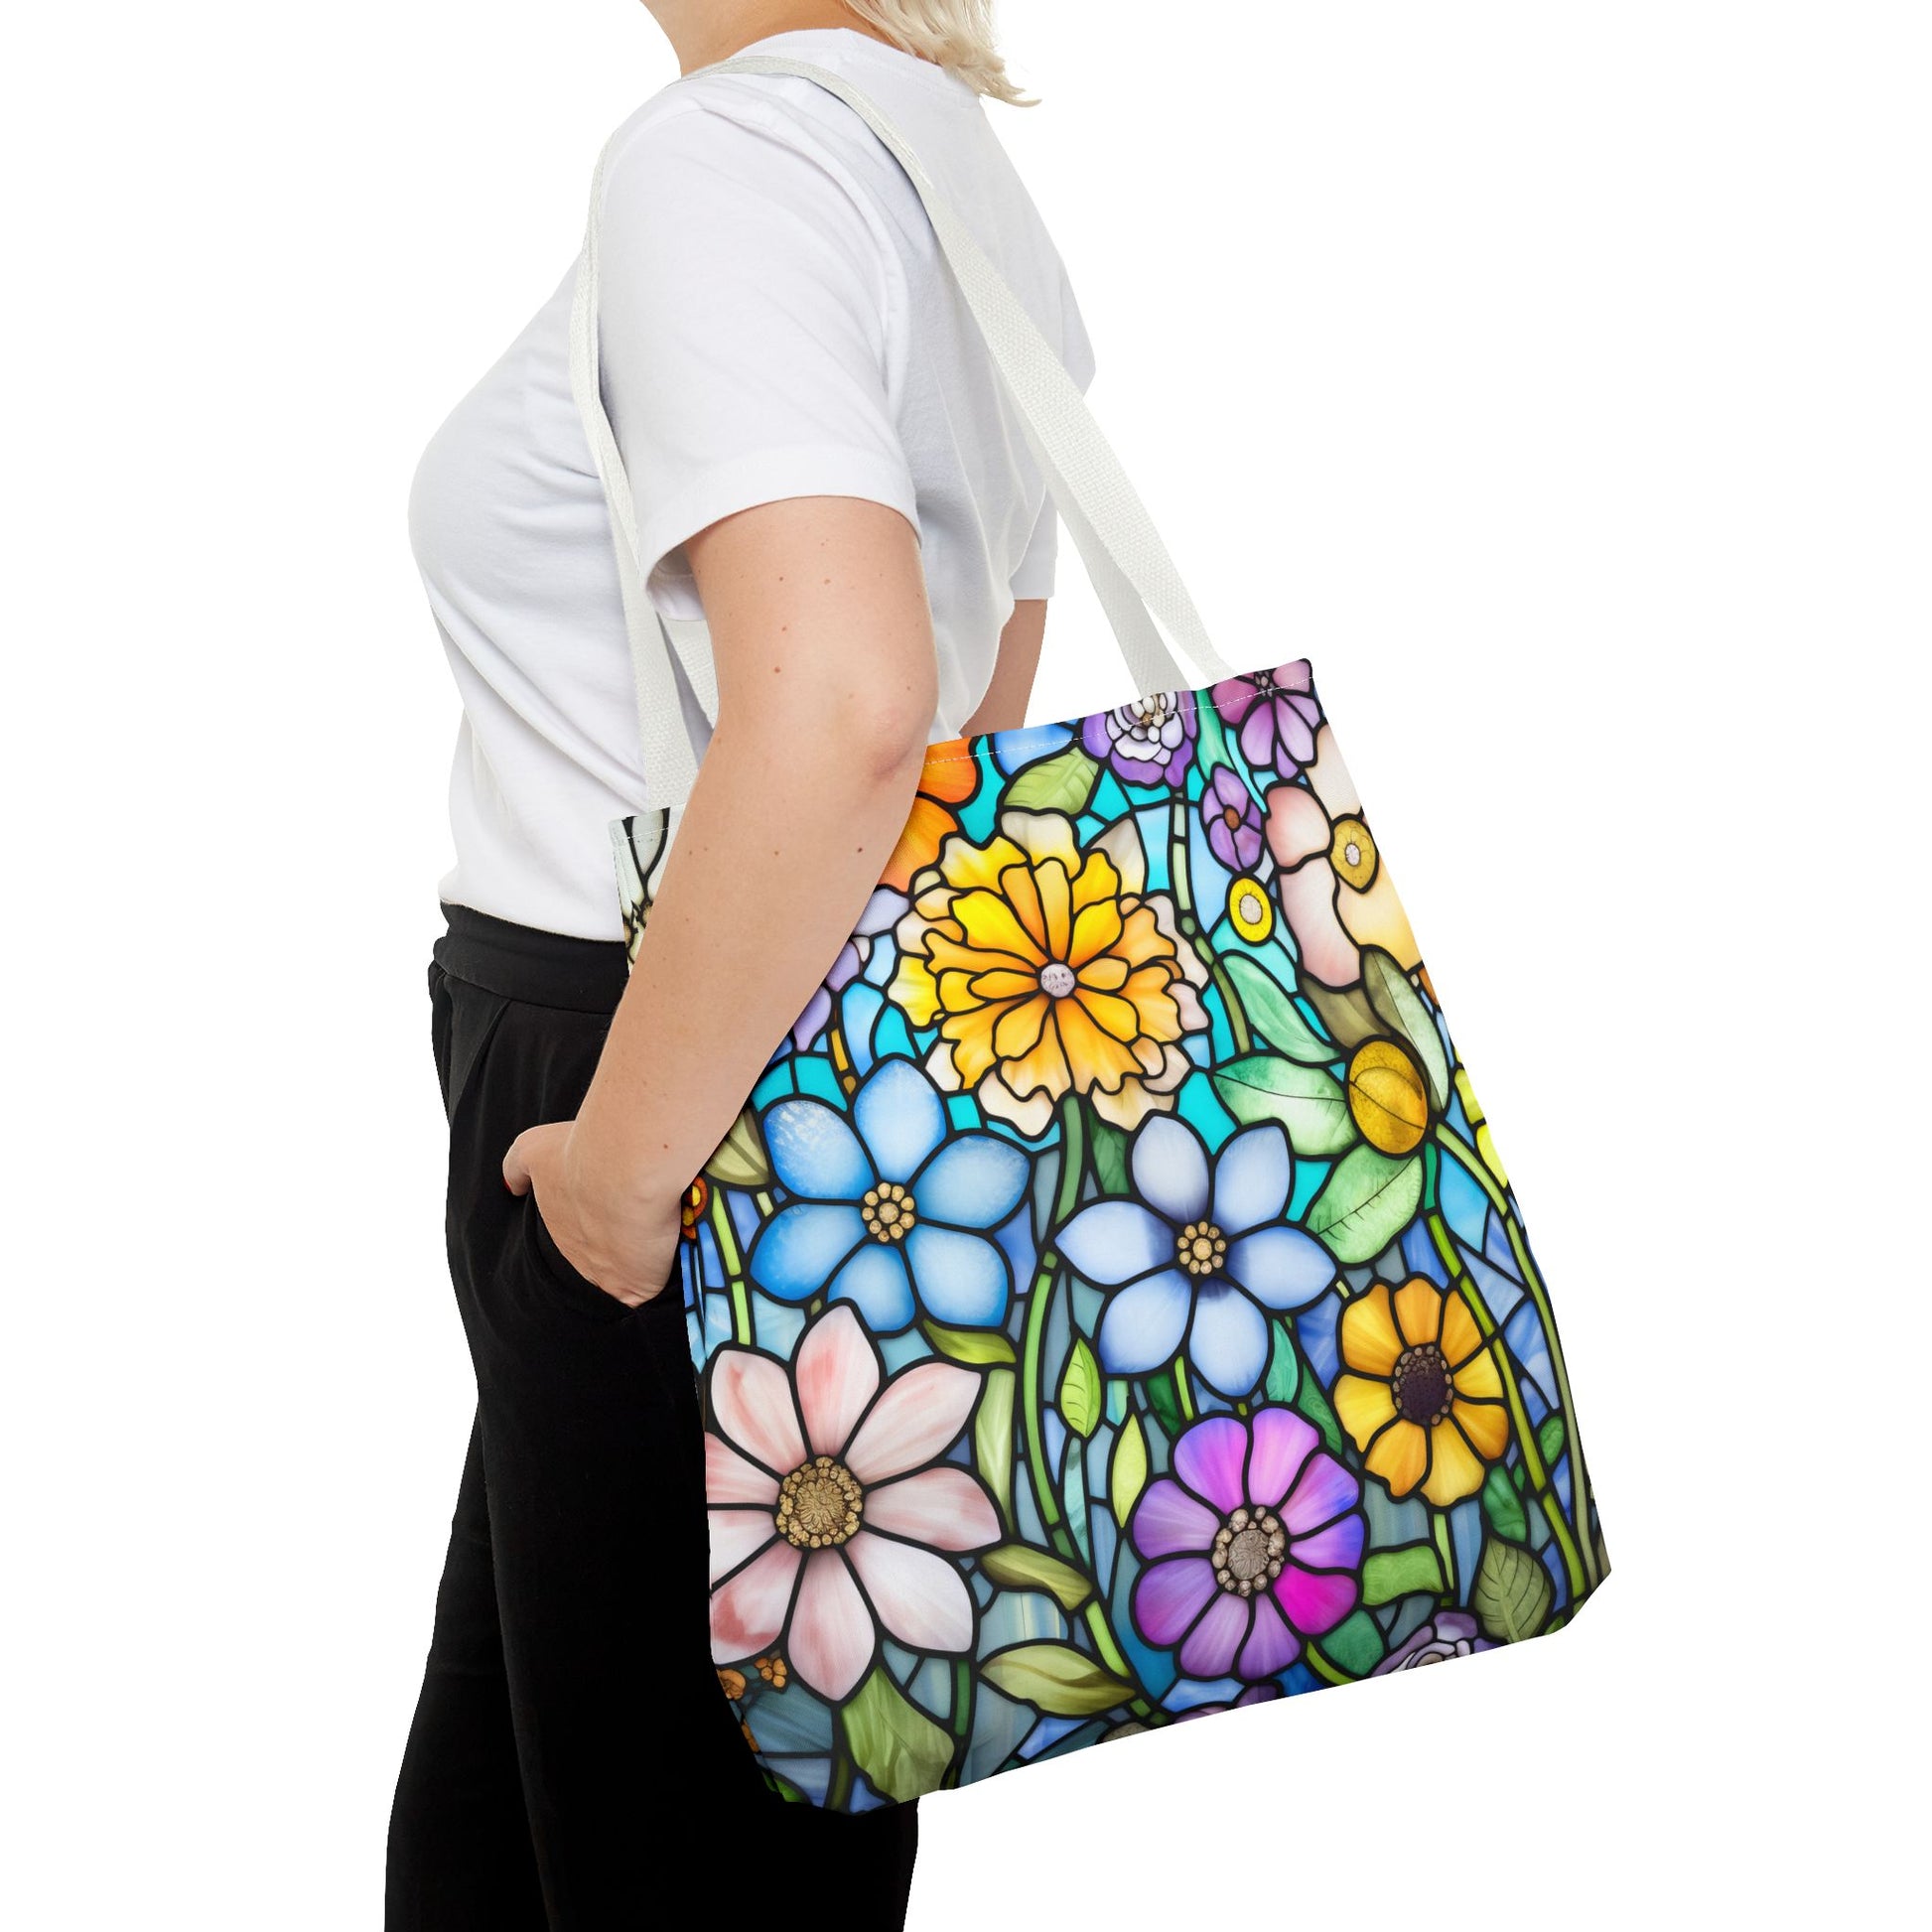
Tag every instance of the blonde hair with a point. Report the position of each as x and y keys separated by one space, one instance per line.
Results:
x=957 y=34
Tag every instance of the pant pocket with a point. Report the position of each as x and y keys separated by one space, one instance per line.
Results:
x=565 y=1283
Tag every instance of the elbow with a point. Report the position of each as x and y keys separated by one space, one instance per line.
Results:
x=884 y=734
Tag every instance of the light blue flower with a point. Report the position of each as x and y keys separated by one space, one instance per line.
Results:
x=1198 y=1256
x=889 y=1214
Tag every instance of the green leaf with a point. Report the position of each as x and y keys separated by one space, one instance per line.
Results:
x=977 y=1346
x=1283 y=1367
x=1056 y=1679
x=785 y=1787
x=1108 y=1146
x=1354 y=1646
x=1550 y=1440
x=1348 y=1015
x=1312 y=1104
x=993 y=1439
x=1064 y=783
x=1513 y=1592
x=1402 y=1009
x=1081 y=1396
x=1503 y=1507
x=1312 y=1403
x=901 y=1751
x=1369 y=1199
x=1127 y=1473
x=741 y=1160
x=1017 y=1566
x=1165 y=1403
x=1276 y=1015
x=1389 y=1573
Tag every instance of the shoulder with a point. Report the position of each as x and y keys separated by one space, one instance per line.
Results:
x=717 y=144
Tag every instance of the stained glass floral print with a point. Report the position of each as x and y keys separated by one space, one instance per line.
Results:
x=887 y=1212
x=1111 y=1305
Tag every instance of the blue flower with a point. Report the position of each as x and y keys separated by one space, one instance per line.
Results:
x=1200 y=1254
x=887 y=1212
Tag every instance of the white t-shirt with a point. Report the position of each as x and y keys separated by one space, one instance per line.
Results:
x=778 y=322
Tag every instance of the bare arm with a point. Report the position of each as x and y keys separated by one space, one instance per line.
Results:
x=826 y=688
x=1003 y=708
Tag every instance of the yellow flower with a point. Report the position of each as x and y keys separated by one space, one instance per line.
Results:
x=1423 y=1402
x=1248 y=910
x=1047 y=971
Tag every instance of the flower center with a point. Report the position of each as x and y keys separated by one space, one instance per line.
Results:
x=1423 y=1387
x=1231 y=818
x=1249 y=1550
x=889 y=1211
x=1253 y=908
x=819 y=1505
x=1352 y=853
x=1265 y=683
x=1057 y=980
x=1200 y=1248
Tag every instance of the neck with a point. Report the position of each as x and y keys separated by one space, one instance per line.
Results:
x=704 y=32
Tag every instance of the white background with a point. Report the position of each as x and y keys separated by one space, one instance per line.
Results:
x=1556 y=375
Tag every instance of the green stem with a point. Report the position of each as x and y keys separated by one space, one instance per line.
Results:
x=1182 y=881
x=1322 y=1668
x=1472 y=1164
x=962 y=1721
x=1533 y=1465
x=1446 y=1549
x=1183 y=1392
x=839 y=1793
x=1074 y=1164
x=721 y=1227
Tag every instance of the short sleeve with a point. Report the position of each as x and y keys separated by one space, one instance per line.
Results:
x=747 y=310
x=1039 y=568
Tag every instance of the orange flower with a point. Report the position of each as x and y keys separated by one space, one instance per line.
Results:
x=1422 y=1399
x=950 y=777
x=697 y=1197
x=1047 y=971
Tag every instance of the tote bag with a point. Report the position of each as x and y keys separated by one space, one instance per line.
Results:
x=1110 y=1306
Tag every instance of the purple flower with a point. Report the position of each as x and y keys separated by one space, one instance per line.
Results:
x=1253 y=1694
x=1451 y=1634
x=1278 y=713
x=1233 y=820
x=1253 y=1545
x=1198 y=1252
x=883 y=911
x=1148 y=742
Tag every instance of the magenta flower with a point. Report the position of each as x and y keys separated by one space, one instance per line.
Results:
x=1253 y=1546
x=1148 y=742
x=1278 y=714
x=828 y=1501
x=1233 y=820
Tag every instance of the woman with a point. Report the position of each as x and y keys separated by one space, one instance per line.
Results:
x=829 y=475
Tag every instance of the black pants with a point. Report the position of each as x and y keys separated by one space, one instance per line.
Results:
x=573 y=1763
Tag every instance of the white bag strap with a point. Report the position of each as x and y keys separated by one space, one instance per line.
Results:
x=1133 y=574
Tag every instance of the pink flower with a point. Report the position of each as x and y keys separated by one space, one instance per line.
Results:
x=1253 y=1545
x=1335 y=890
x=828 y=1501
x=1278 y=713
